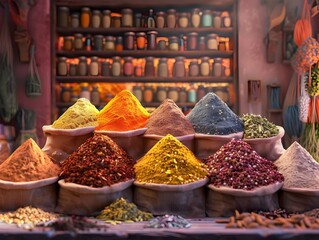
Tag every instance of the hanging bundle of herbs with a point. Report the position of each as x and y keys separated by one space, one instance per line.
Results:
x=8 y=98
x=33 y=84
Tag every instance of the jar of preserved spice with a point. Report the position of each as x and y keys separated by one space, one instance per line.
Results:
x=201 y=92
x=191 y=94
x=160 y=19
x=171 y=18
x=129 y=40
x=204 y=66
x=140 y=40
x=85 y=17
x=63 y=16
x=116 y=21
x=150 y=19
x=218 y=67
x=128 y=66
x=227 y=71
x=148 y=94
x=82 y=66
x=85 y=92
x=119 y=43
x=162 y=68
x=62 y=66
x=173 y=93
x=138 y=70
x=151 y=40
x=106 y=70
x=106 y=19
x=195 y=17
x=66 y=94
x=149 y=70
x=182 y=95
x=173 y=43
x=202 y=43
x=87 y=43
x=98 y=42
x=96 y=18
x=138 y=92
x=109 y=43
x=67 y=43
x=207 y=18
x=212 y=41
x=161 y=93
x=127 y=17
x=226 y=20
x=4 y=148
x=78 y=41
x=161 y=44
x=73 y=69
x=116 y=66
x=95 y=95
x=193 y=69
x=183 y=20
x=94 y=66
x=179 y=67
x=192 y=41
x=217 y=20
x=75 y=20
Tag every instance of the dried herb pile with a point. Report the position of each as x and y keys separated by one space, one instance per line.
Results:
x=238 y=166
x=98 y=162
x=168 y=221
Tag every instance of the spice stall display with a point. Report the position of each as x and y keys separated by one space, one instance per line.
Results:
x=214 y=123
x=70 y=130
x=170 y=180
x=239 y=178
x=27 y=174
x=93 y=176
x=168 y=118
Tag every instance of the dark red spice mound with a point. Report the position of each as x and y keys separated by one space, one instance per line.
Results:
x=237 y=165
x=98 y=162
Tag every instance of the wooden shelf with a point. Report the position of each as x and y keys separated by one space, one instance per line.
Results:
x=274 y=110
x=94 y=79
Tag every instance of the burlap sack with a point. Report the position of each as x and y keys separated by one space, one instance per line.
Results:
x=152 y=139
x=206 y=145
x=89 y=201
x=298 y=199
x=269 y=148
x=41 y=194
x=223 y=201
x=131 y=141
x=187 y=200
x=60 y=143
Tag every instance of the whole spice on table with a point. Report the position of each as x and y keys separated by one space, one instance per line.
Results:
x=238 y=166
x=277 y=213
x=81 y=114
x=168 y=221
x=98 y=162
x=212 y=116
x=28 y=163
x=256 y=126
x=123 y=211
x=123 y=113
x=169 y=162
x=298 y=167
x=168 y=118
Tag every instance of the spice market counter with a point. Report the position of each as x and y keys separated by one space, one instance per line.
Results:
x=201 y=229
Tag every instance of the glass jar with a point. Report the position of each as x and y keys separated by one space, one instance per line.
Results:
x=109 y=43
x=217 y=67
x=151 y=40
x=67 y=43
x=150 y=19
x=201 y=92
x=162 y=68
x=226 y=20
x=173 y=43
x=82 y=66
x=66 y=94
x=179 y=67
x=183 y=20
x=119 y=43
x=87 y=43
x=106 y=19
x=127 y=17
x=85 y=17
x=148 y=94
x=63 y=16
x=217 y=20
x=204 y=66
x=192 y=95
x=4 y=148
x=207 y=19
x=96 y=19
x=95 y=95
x=160 y=19
x=149 y=70
x=202 y=43
x=129 y=40
x=78 y=41
x=85 y=92
x=73 y=69
x=75 y=20
x=193 y=69
x=171 y=18
x=138 y=70
x=62 y=66
x=116 y=66
x=182 y=96
x=161 y=93
x=128 y=66
x=212 y=41
x=138 y=20
x=105 y=69
x=227 y=71
x=138 y=92
x=140 y=40
x=98 y=42
x=116 y=21
x=173 y=93
x=192 y=41
x=161 y=44
x=195 y=18
x=94 y=66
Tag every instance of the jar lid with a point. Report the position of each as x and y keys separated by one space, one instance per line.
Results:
x=98 y=36
x=171 y=11
x=217 y=13
x=149 y=58
x=129 y=33
x=183 y=14
x=82 y=58
x=207 y=11
x=152 y=32
x=106 y=12
x=78 y=35
x=128 y=58
x=173 y=39
x=85 y=9
x=96 y=12
x=126 y=11
x=138 y=14
x=193 y=62
x=212 y=35
x=63 y=8
x=140 y=34
x=205 y=59
x=62 y=58
x=105 y=63
x=109 y=38
x=163 y=60
x=68 y=38
x=160 y=13
x=94 y=58
x=116 y=58
x=195 y=34
x=196 y=10
x=75 y=15
x=219 y=60
x=179 y=58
